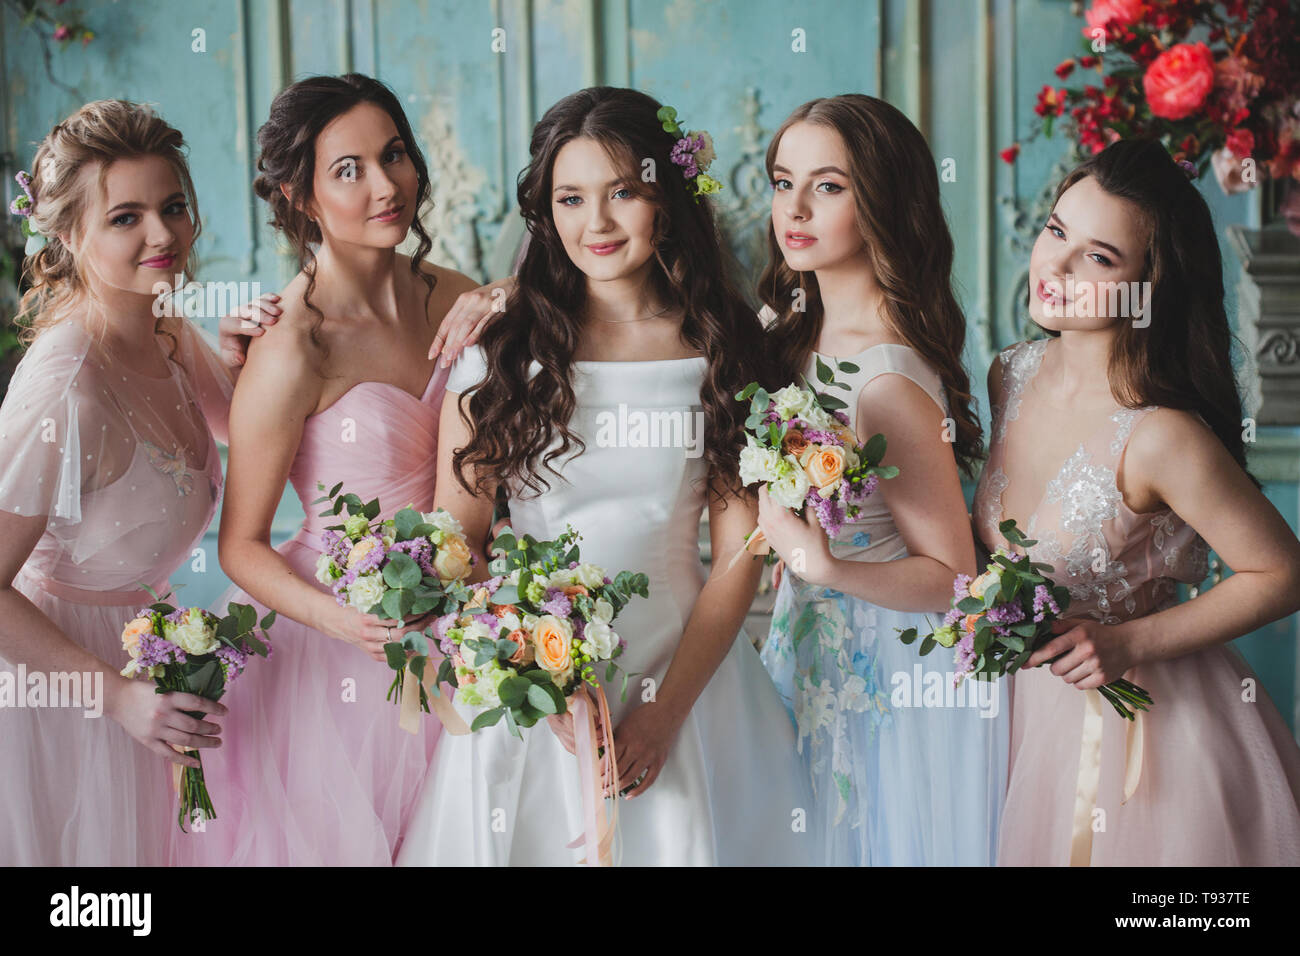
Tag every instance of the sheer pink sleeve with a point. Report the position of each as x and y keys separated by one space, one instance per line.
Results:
x=209 y=379
x=41 y=430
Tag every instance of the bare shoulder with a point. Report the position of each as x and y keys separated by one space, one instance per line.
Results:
x=448 y=282
x=285 y=362
x=1171 y=434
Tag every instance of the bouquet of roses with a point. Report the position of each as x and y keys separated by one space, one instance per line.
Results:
x=193 y=651
x=798 y=440
x=1217 y=82
x=408 y=565
x=536 y=634
x=1001 y=617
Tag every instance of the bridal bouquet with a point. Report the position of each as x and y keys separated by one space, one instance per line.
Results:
x=799 y=442
x=1001 y=617
x=536 y=634
x=406 y=566
x=195 y=652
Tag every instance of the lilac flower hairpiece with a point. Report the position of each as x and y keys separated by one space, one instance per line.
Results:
x=693 y=152
x=1188 y=167
x=25 y=206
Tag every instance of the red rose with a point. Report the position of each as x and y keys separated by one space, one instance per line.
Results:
x=1177 y=83
x=1119 y=12
x=1241 y=143
x=1010 y=153
x=1065 y=68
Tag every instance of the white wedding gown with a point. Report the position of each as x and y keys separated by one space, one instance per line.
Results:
x=732 y=791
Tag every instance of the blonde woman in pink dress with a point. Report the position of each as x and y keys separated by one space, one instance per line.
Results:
x=314 y=769
x=109 y=474
x=1117 y=446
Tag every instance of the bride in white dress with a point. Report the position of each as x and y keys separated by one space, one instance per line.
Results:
x=615 y=322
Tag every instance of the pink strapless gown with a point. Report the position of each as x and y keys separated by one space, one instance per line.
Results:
x=313 y=769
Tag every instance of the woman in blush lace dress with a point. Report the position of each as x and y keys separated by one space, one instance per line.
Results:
x=1117 y=447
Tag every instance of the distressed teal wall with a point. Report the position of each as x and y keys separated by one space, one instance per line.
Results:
x=966 y=71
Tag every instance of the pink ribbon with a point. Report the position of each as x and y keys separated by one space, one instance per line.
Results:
x=598 y=832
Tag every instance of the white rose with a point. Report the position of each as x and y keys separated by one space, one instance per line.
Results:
x=790 y=489
x=816 y=416
x=324 y=566
x=194 y=636
x=789 y=401
x=603 y=611
x=476 y=630
x=600 y=639
x=561 y=578
x=444 y=521
x=366 y=591
x=590 y=576
x=758 y=463
x=530 y=622
x=510 y=621
x=706 y=154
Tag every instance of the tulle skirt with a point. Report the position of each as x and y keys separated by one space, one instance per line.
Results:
x=908 y=770
x=77 y=790
x=1219 y=780
x=313 y=769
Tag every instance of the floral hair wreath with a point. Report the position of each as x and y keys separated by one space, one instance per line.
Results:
x=693 y=152
x=24 y=206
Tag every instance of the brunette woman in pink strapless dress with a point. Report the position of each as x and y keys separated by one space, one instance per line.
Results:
x=1117 y=446
x=314 y=769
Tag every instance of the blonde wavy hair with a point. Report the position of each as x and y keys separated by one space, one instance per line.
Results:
x=100 y=132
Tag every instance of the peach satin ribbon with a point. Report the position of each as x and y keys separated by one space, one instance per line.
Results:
x=1089 y=779
x=597 y=831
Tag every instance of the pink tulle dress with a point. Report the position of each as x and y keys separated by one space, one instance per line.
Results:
x=127 y=475
x=313 y=769
x=1210 y=775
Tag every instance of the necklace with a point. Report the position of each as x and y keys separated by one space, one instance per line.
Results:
x=653 y=315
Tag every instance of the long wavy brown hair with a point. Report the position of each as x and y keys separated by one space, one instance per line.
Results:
x=1183 y=357
x=287 y=157
x=521 y=421
x=896 y=195
x=101 y=132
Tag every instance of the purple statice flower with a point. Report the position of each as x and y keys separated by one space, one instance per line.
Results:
x=177 y=616
x=1043 y=602
x=490 y=621
x=1009 y=612
x=829 y=514
x=820 y=437
x=840 y=416
x=683 y=155
x=961 y=586
x=155 y=650
x=572 y=565
x=579 y=628
x=232 y=661
x=329 y=540
x=952 y=618
x=771 y=417
x=1001 y=631
x=965 y=657
x=856 y=492
x=556 y=603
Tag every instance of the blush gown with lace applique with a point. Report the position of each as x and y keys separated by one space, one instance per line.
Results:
x=730 y=792
x=125 y=470
x=1212 y=771
x=908 y=770
x=313 y=769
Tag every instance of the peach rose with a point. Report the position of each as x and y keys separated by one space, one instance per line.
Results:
x=501 y=610
x=132 y=633
x=970 y=621
x=824 y=466
x=552 y=639
x=525 y=652
x=982 y=583
x=1178 y=81
x=452 y=560
x=360 y=550
x=574 y=589
x=794 y=443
